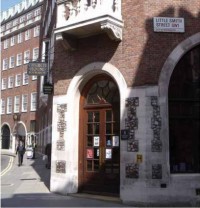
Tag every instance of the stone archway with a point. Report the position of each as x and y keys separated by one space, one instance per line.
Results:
x=5 y=137
x=164 y=81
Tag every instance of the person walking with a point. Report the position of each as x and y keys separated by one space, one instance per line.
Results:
x=48 y=153
x=20 y=150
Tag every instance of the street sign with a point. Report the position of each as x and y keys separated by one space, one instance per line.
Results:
x=169 y=24
x=37 y=68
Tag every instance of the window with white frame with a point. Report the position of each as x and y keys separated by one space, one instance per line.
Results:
x=17 y=104
x=24 y=103
x=37 y=12
x=26 y=57
x=12 y=41
x=8 y=25
x=2 y=28
x=9 y=105
x=36 y=31
x=19 y=38
x=6 y=43
x=3 y=106
x=3 y=83
x=35 y=54
x=12 y=62
x=10 y=82
x=27 y=34
x=33 y=101
x=29 y=16
x=22 y=19
x=19 y=59
x=25 y=78
x=15 y=22
x=5 y=64
x=17 y=80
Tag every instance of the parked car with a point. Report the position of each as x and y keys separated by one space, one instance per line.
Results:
x=29 y=152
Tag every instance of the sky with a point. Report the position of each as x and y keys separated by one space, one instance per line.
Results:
x=5 y=4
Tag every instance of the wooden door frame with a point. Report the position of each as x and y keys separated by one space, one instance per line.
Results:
x=84 y=92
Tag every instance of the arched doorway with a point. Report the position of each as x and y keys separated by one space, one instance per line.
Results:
x=5 y=137
x=99 y=145
x=184 y=114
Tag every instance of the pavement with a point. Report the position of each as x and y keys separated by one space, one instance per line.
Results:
x=28 y=186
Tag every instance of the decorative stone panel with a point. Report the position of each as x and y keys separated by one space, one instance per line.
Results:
x=60 y=144
x=131 y=123
x=157 y=171
x=60 y=166
x=132 y=170
x=156 y=143
x=61 y=124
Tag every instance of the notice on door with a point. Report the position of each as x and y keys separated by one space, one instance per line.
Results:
x=169 y=24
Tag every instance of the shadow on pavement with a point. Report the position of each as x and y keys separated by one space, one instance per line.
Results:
x=53 y=200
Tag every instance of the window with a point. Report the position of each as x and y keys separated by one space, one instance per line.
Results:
x=36 y=31
x=5 y=64
x=25 y=78
x=33 y=125
x=12 y=41
x=10 y=82
x=29 y=16
x=22 y=19
x=26 y=57
x=18 y=80
x=24 y=103
x=19 y=59
x=15 y=22
x=33 y=101
x=37 y=12
x=17 y=104
x=3 y=106
x=2 y=28
x=3 y=84
x=9 y=105
x=8 y=25
x=6 y=43
x=184 y=114
x=12 y=62
x=27 y=34
x=19 y=38
x=35 y=54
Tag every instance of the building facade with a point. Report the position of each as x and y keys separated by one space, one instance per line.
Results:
x=45 y=97
x=125 y=111
x=20 y=30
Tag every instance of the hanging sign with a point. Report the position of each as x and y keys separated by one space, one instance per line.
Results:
x=169 y=24
x=37 y=68
x=47 y=88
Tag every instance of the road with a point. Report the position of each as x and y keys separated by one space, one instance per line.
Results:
x=4 y=161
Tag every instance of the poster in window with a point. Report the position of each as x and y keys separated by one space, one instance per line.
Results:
x=90 y=153
x=115 y=141
x=96 y=141
x=108 y=153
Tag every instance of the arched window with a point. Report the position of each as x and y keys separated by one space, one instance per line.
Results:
x=184 y=114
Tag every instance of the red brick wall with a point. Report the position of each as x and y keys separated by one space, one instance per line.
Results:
x=33 y=42
x=142 y=52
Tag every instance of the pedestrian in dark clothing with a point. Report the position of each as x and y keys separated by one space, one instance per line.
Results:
x=20 y=150
x=48 y=153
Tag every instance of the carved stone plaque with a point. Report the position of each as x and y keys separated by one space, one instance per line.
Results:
x=60 y=145
x=60 y=166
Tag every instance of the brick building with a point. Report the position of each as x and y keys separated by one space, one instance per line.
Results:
x=125 y=110
x=20 y=29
